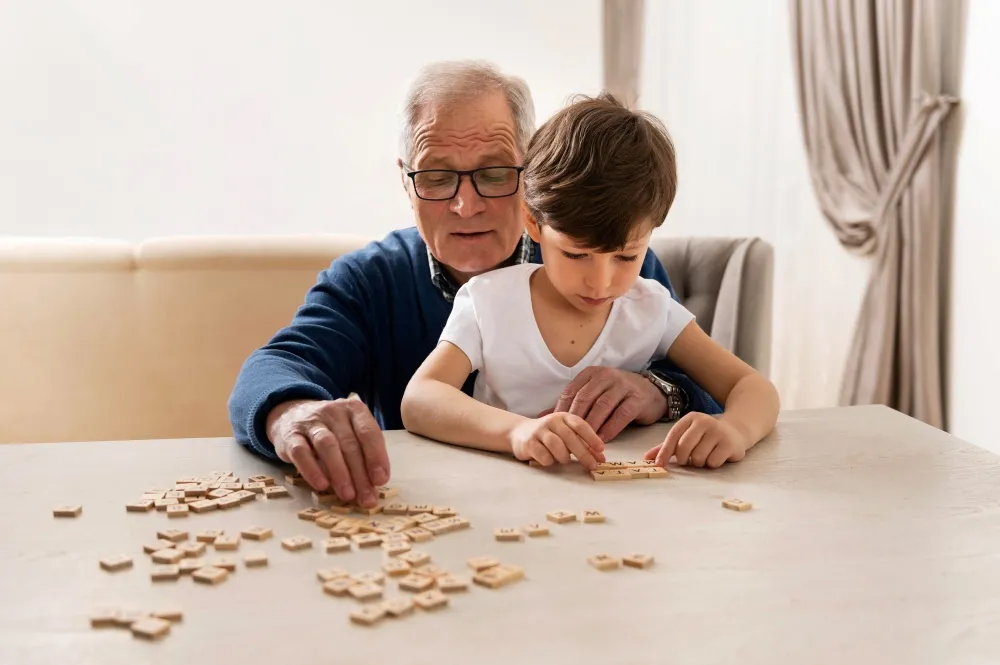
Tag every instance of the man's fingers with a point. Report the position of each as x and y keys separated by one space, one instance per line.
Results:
x=350 y=448
x=555 y=445
x=372 y=442
x=569 y=393
x=689 y=440
x=605 y=405
x=327 y=448
x=588 y=394
x=299 y=452
x=546 y=412
x=623 y=414
x=576 y=444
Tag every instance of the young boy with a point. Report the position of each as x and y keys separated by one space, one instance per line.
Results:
x=598 y=179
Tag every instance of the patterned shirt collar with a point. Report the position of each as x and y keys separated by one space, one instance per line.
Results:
x=523 y=253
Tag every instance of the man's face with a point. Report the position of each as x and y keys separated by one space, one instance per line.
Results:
x=468 y=233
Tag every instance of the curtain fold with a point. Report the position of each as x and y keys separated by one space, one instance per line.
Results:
x=622 y=47
x=869 y=77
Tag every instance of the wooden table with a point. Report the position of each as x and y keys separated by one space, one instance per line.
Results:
x=874 y=539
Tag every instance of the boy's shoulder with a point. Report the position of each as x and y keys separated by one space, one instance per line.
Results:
x=646 y=290
x=506 y=280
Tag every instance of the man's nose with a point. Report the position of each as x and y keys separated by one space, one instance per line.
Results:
x=467 y=202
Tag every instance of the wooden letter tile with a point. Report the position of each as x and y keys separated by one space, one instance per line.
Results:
x=367 y=539
x=188 y=566
x=416 y=583
x=173 y=615
x=418 y=534
x=507 y=534
x=638 y=560
x=656 y=472
x=396 y=548
x=396 y=509
x=227 y=542
x=209 y=535
x=369 y=615
x=173 y=535
x=161 y=504
x=415 y=558
x=180 y=510
x=224 y=562
x=593 y=516
x=444 y=511
x=417 y=508
x=257 y=533
x=431 y=571
x=339 y=544
x=386 y=492
x=398 y=607
x=368 y=577
x=116 y=563
x=193 y=549
x=329 y=574
x=536 y=529
x=168 y=556
x=452 y=583
x=143 y=506
x=210 y=575
x=296 y=543
x=150 y=628
x=165 y=573
x=276 y=492
x=560 y=516
x=339 y=586
x=365 y=591
x=638 y=472
x=310 y=514
x=396 y=568
x=104 y=618
x=160 y=544
x=481 y=563
x=431 y=600
x=737 y=504
x=603 y=562
x=204 y=505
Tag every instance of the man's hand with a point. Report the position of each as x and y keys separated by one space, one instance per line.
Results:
x=609 y=399
x=700 y=440
x=334 y=444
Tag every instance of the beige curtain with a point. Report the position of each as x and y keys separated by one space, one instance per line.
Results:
x=872 y=99
x=623 y=49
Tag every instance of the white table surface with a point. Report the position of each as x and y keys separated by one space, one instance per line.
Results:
x=874 y=539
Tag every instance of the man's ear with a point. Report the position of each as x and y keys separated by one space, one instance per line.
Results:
x=402 y=173
x=531 y=224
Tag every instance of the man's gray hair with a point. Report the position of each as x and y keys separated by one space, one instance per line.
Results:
x=457 y=81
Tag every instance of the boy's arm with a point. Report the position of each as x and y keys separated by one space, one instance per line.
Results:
x=751 y=401
x=435 y=406
x=699 y=399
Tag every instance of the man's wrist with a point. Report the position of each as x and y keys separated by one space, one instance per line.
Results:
x=675 y=398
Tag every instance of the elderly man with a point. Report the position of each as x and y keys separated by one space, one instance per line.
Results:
x=376 y=314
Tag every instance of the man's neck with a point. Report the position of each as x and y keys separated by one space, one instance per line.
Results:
x=460 y=278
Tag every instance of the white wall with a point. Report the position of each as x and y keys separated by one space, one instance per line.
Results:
x=128 y=119
x=719 y=73
x=974 y=380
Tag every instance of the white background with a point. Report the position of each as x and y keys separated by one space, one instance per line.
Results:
x=130 y=120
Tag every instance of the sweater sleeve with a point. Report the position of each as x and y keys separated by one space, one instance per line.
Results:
x=322 y=354
x=698 y=398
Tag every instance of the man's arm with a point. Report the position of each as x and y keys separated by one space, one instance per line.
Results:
x=698 y=398
x=322 y=355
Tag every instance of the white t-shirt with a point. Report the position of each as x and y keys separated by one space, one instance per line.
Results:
x=493 y=323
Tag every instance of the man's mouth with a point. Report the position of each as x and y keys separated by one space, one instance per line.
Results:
x=470 y=234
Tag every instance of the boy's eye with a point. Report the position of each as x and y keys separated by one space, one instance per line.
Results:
x=628 y=258
x=569 y=255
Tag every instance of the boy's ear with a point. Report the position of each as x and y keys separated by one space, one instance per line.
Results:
x=531 y=224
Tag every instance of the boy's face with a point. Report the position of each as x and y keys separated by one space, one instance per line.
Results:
x=589 y=280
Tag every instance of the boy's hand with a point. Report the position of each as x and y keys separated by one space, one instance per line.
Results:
x=700 y=440
x=554 y=437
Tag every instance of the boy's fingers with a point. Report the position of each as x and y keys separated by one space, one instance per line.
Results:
x=576 y=445
x=689 y=440
x=709 y=442
x=669 y=447
x=651 y=453
x=540 y=453
x=586 y=432
x=556 y=446
x=718 y=457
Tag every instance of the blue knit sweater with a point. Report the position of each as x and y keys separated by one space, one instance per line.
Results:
x=366 y=325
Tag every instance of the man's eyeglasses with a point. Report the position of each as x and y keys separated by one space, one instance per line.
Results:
x=490 y=182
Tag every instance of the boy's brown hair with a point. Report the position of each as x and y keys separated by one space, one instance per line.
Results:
x=596 y=171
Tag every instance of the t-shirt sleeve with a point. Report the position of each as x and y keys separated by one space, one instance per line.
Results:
x=676 y=317
x=462 y=328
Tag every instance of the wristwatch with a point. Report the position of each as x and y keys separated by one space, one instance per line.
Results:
x=677 y=399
